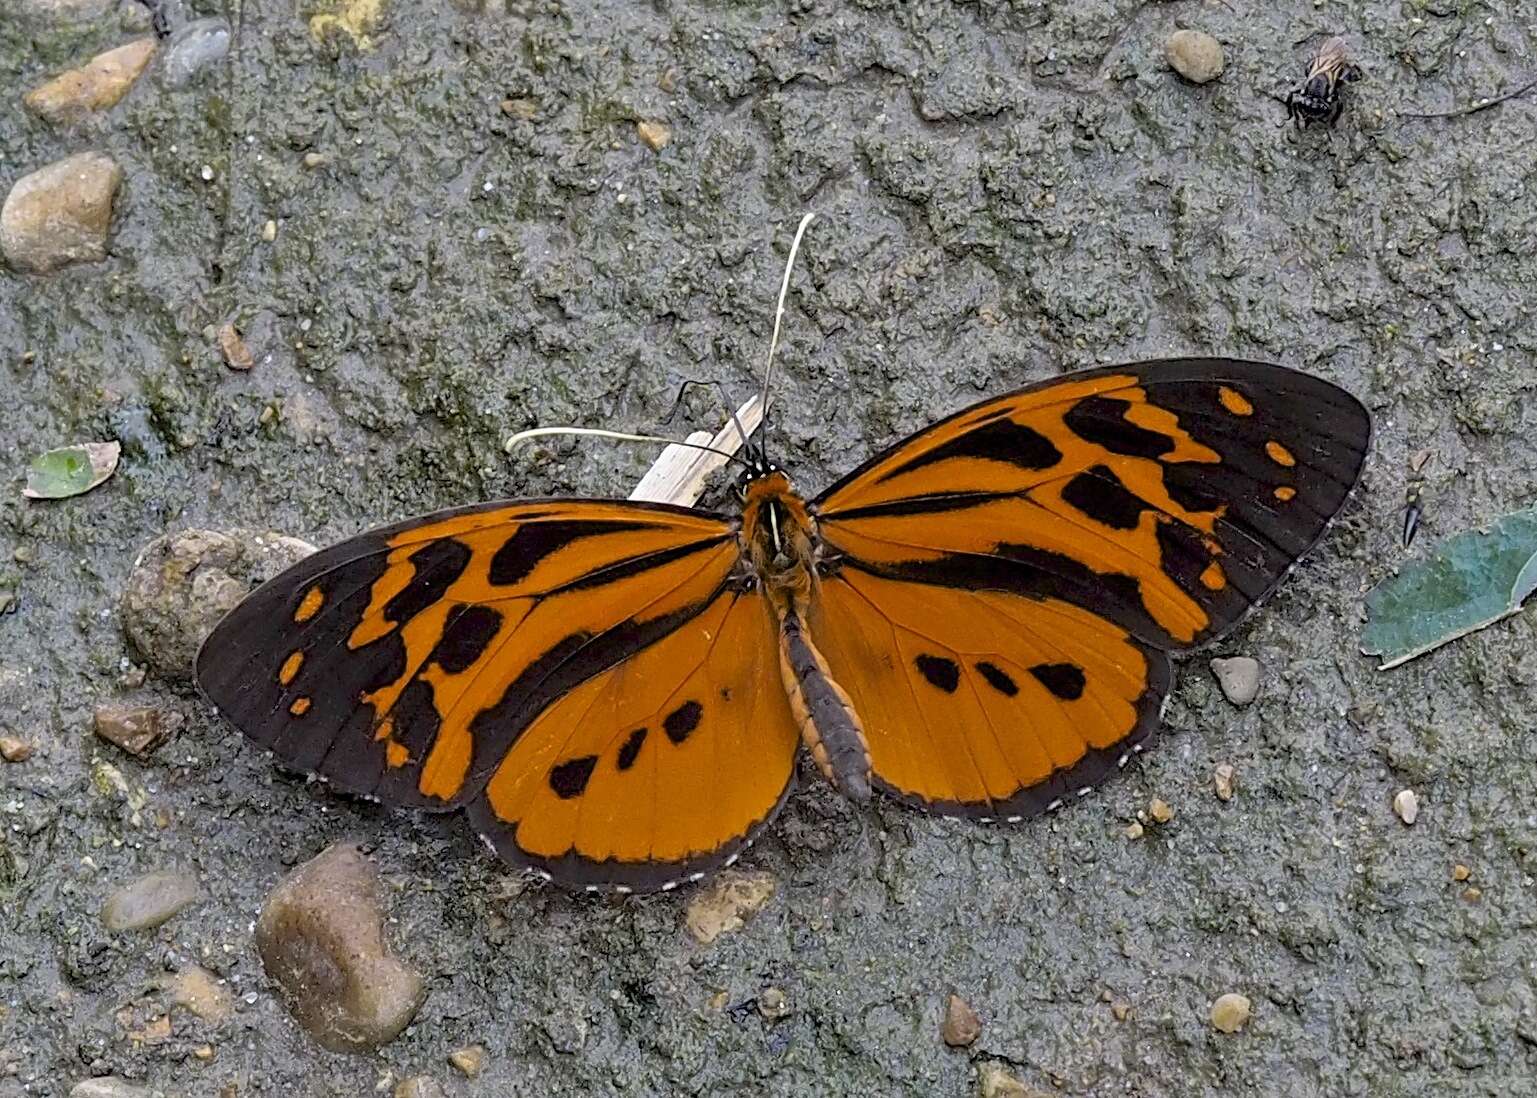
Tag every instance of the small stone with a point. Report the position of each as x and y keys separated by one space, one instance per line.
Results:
x=1121 y=1009
x=13 y=749
x=420 y=1086
x=203 y=1052
x=184 y=582
x=152 y=899
x=1160 y=811
x=961 y=1025
x=523 y=110
x=270 y=231
x=137 y=729
x=994 y=1081
x=1195 y=55
x=773 y=1004
x=1134 y=830
x=1222 y=779
x=193 y=49
x=96 y=86
x=726 y=905
x=321 y=940
x=199 y=991
x=1472 y=894
x=470 y=1060
x=1461 y=872
x=1407 y=805
x=206 y=173
x=60 y=214
x=315 y=159
x=655 y=134
x=108 y=1086
x=236 y=354
x=1230 y=1012
x=1238 y=677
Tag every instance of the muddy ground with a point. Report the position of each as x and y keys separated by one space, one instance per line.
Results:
x=1007 y=190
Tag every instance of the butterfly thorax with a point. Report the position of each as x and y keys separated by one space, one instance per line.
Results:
x=781 y=548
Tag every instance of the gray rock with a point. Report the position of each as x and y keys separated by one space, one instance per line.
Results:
x=60 y=214
x=1195 y=55
x=151 y=900
x=1239 y=678
x=193 y=49
x=108 y=1086
x=321 y=940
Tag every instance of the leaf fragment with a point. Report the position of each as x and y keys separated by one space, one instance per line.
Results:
x=71 y=470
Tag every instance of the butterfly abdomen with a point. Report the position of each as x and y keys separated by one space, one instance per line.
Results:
x=829 y=726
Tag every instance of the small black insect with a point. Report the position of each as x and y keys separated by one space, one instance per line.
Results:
x=1320 y=95
x=159 y=22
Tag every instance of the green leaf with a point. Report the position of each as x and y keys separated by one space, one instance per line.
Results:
x=71 y=470
x=1476 y=578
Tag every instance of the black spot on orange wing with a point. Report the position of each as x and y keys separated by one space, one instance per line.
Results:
x=998 y=679
x=1099 y=494
x=569 y=779
x=532 y=542
x=465 y=637
x=940 y=672
x=1004 y=440
x=437 y=564
x=1102 y=421
x=1064 y=680
x=631 y=749
x=682 y=721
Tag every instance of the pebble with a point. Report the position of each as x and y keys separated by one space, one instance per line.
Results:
x=137 y=729
x=321 y=940
x=270 y=231
x=201 y=992
x=1473 y=894
x=152 y=899
x=1407 y=805
x=961 y=1025
x=1222 y=780
x=13 y=749
x=1230 y=1012
x=726 y=905
x=993 y=1081
x=523 y=110
x=1160 y=811
x=655 y=134
x=192 y=49
x=315 y=159
x=1238 y=677
x=420 y=1086
x=470 y=1060
x=1135 y=830
x=1121 y=1009
x=773 y=1004
x=108 y=1086
x=1461 y=872
x=60 y=214
x=183 y=583
x=237 y=356
x=1195 y=55
x=95 y=86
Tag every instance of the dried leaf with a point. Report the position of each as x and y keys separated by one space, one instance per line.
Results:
x=71 y=470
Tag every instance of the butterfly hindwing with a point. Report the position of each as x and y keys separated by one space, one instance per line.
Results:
x=1014 y=574
x=402 y=664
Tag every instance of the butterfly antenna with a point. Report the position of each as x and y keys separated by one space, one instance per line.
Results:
x=725 y=401
x=779 y=311
x=597 y=432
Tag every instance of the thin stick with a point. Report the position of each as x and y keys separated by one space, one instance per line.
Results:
x=678 y=475
x=779 y=311
x=1473 y=108
x=597 y=432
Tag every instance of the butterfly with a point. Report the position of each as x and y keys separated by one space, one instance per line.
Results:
x=978 y=621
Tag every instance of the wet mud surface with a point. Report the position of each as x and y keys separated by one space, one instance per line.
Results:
x=1007 y=191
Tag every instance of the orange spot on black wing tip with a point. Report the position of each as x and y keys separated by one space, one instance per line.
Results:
x=300 y=707
x=1285 y=493
x=290 y=668
x=1280 y=454
x=569 y=779
x=1213 y=578
x=1234 y=401
x=310 y=605
x=396 y=754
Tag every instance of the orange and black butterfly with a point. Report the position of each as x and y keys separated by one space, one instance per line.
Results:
x=978 y=622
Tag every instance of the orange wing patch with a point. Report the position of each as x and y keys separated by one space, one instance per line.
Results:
x=656 y=770
x=984 y=703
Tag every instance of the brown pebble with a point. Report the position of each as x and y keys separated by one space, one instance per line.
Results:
x=523 y=110
x=1472 y=894
x=137 y=729
x=773 y=1004
x=1461 y=872
x=1231 y=1012
x=1223 y=779
x=14 y=750
x=60 y=213
x=236 y=354
x=470 y=1060
x=993 y=1081
x=655 y=134
x=961 y=1025
x=1135 y=830
x=420 y=1086
x=1160 y=810
x=95 y=86
x=1121 y=1009
x=148 y=901
x=201 y=992
x=321 y=940
x=726 y=905
x=203 y=1052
